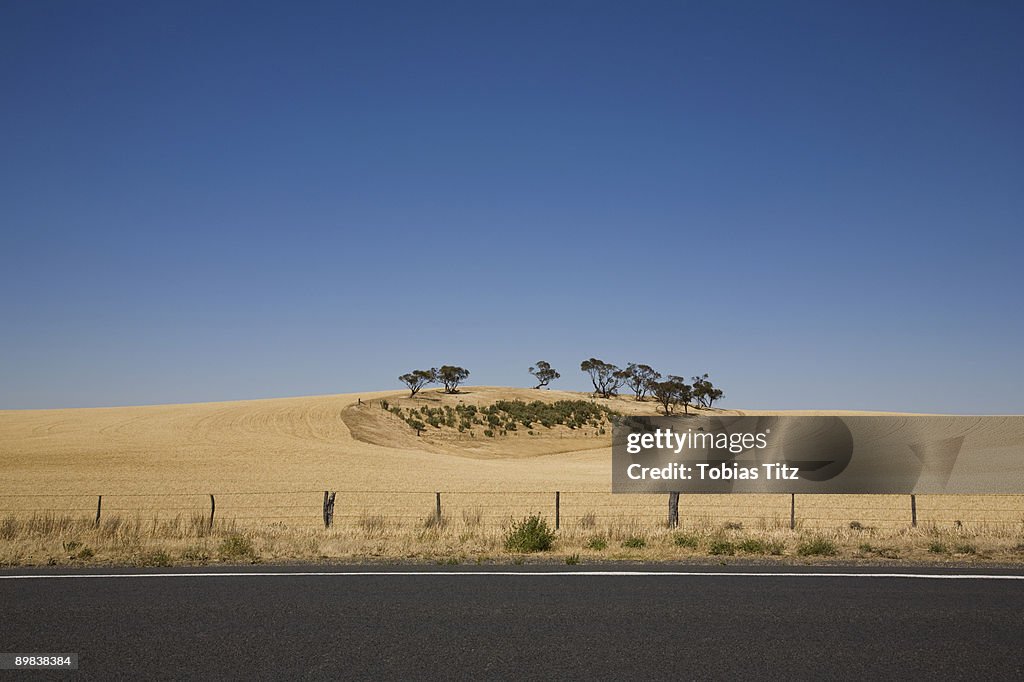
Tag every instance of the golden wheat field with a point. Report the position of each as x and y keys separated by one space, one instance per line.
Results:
x=267 y=464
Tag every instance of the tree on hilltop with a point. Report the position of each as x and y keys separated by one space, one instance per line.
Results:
x=417 y=379
x=672 y=392
x=451 y=376
x=639 y=378
x=606 y=377
x=705 y=392
x=544 y=374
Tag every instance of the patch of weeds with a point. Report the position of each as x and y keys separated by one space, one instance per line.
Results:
x=816 y=546
x=965 y=548
x=531 y=534
x=752 y=546
x=635 y=542
x=9 y=527
x=71 y=545
x=195 y=555
x=518 y=561
x=597 y=543
x=156 y=558
x=373 y=525
x=236 y=546
x=721 y=547
x=688 y=540
x=472 y=517
x=588 y=520
x=448 y=561
x=85 y=554
x=734 y=525
x=856 y=525
x=431 y=522
x=572 y=559
x=936 y=547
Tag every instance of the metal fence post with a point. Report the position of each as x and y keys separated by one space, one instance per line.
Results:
x=558 y=509
x=913 y=510
x=99 y=506
x=213 y=508
x=792 y=511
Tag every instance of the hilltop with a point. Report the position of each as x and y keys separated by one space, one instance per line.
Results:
x=345 y=440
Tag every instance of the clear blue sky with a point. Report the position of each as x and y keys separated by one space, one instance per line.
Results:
x=819 y=203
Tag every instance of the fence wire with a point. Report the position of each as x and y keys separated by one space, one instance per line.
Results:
x=573 y=508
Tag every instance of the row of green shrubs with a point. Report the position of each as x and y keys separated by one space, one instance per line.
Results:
x=507 y=415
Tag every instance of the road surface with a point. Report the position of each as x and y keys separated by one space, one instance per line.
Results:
x=458 y=623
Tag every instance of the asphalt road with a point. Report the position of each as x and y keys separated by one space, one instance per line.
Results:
x=519 y=626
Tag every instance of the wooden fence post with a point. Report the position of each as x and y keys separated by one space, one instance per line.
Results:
x=437 y=508
x=558 y=509
x=673 y=510
x=99 y=506
x=792 y=511
x=913 y=510
x=329 y=508
x=213 y=508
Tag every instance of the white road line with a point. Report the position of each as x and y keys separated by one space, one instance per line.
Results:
x=517 y=574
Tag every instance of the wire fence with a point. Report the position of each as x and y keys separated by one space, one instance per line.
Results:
x=566 y=509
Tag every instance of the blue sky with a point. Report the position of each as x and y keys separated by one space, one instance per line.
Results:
x=818 y=203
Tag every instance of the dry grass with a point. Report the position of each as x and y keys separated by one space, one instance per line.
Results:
x=268 y=462
x=63 y=540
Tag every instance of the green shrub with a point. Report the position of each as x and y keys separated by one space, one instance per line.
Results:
x=635 y=542
x=236 y=546
x=752 y=546
x=531 y=534
x=937 y=547
x=572 y=559
x=686 y=540
x=816 y=546
x=597 y=543
x=720 y=547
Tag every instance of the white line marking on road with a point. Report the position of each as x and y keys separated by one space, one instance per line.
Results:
x=517 y=574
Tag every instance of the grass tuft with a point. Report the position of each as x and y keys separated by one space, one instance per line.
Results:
x=721 y=547
x=688 y=540
x=635 y=542
x=816 y=546
x=235 y=547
